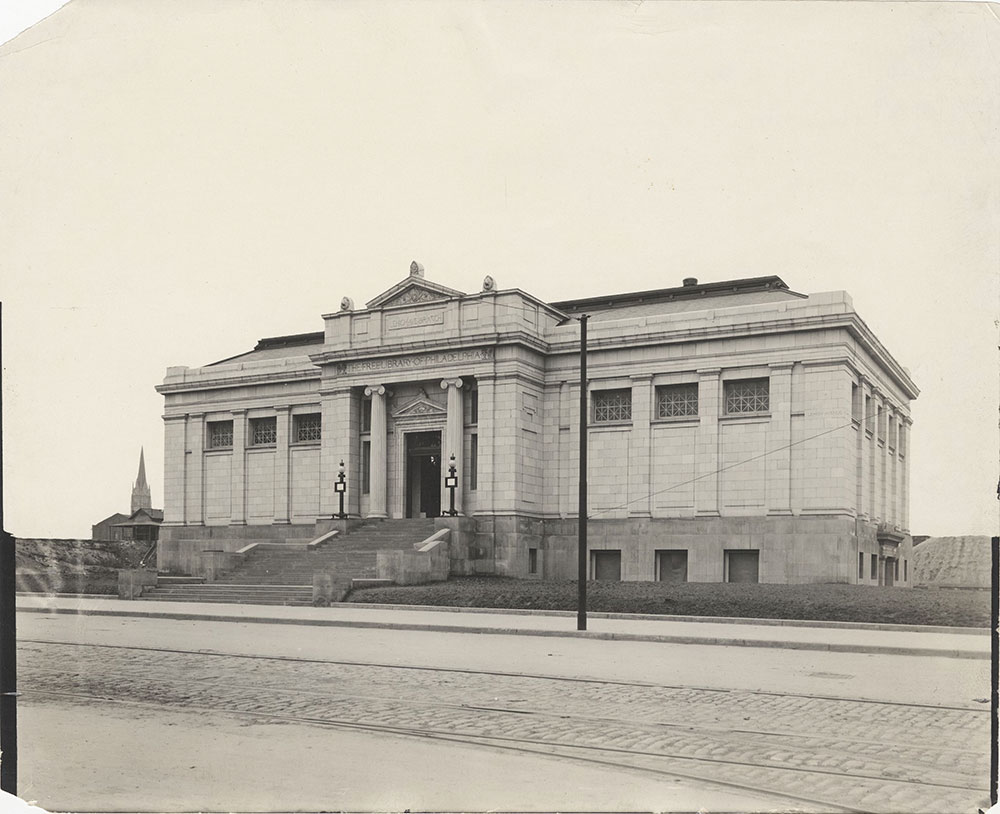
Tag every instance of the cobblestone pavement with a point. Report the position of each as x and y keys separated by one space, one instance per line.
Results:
x=839 y=754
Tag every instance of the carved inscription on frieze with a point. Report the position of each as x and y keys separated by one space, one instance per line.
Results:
x=396 y=321
x=446 y=357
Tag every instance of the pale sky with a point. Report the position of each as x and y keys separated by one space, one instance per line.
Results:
x=180 y=179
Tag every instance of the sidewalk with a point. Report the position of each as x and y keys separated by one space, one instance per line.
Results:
x=825 y=636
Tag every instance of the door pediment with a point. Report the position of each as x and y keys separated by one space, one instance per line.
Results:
x=420 y=407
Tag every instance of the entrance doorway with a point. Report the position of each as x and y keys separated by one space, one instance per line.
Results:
x=423 y=474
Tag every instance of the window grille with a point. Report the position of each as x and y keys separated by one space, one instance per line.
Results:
x=308 y=427
x=677 y=401
x=263 y=432
x=612 y=405
x=747 y=396
x=220 y=434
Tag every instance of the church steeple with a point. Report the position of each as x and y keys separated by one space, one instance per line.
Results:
x=141 y=497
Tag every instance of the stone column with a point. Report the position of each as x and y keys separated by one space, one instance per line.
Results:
x=175 y=466
x=281 y=484
x=194 y=494
x=777 y=464
x=706 y=487
x=379 y=466
x=239 y=480
x=452 y=443
x=639 y=447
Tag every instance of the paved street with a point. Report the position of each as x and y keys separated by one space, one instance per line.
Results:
x=280 y=716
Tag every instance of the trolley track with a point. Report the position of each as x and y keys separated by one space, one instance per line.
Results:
x=707 y=744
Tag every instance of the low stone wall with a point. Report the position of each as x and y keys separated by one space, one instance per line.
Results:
x=429 y=563
x=132 y=582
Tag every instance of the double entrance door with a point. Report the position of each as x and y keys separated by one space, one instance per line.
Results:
x=422 y=494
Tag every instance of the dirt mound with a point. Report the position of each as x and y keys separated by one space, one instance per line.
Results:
x=73 y=566
x=955 y=562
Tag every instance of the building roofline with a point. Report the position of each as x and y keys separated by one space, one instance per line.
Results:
x=690 y=290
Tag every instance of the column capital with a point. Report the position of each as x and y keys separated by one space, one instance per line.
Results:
x=641 y=377
x=781 y=366
x=375 y=389
x=182 y=417
x=239 y=411
x=710 y=372
x=282 y=408
x=456 y=383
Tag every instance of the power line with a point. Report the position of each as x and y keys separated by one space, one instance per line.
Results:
x=732 y=466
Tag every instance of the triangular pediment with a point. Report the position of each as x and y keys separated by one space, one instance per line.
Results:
x=413 y=291
x=420 y=407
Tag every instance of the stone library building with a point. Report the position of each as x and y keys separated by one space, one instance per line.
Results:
x=739 y=431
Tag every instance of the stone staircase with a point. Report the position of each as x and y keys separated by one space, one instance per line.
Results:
x=282 y=574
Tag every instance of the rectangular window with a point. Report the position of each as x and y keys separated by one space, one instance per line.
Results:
x=473 y=462
x=677 y=401
x=366 y=415
x=742 y=566
x=881 y=423
x=747 y=396
x=869 y=418
x=672 y=565
x=612 y=406
x=307 y=428
x=901 y=441
x=892 y=432
x=855 y=403
x=263 y=432
x=861 y=565
x=220 y=434
x=874 y=566
x=366 y=467
x=895 y=570
x=606 y=566
x=532 y=560
x=474 y=406
x=905 y=575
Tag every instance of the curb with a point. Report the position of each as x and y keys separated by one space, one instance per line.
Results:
x=578 y=634
x=657 y=617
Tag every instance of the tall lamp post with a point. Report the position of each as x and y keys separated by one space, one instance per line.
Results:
x=340 y=487
x=451 y=483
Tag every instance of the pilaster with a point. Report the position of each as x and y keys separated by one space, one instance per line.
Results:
x=239 y=480
x=281 y=483
x=194 y=494
x=777 y=464
x=706 y=486
x=174 y=469
x=452 y=441
x=485 y=428
x=640 y=446
x=341 y=416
